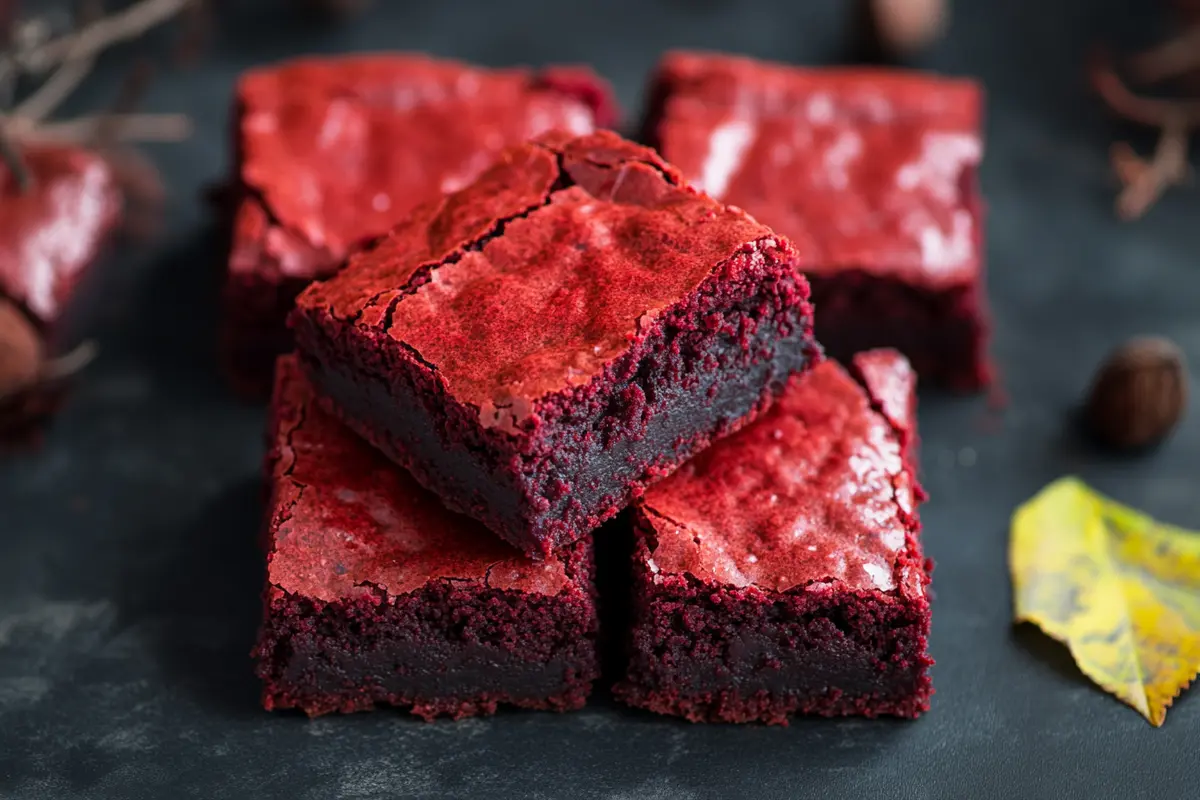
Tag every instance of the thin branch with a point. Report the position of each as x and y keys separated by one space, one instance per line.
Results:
x=76 y=65
x=1153 y=112
x=69 y=363
x=119 y=26
x=120 y=128
x=1171 y=59
x=11 y=155
x=1149 y=180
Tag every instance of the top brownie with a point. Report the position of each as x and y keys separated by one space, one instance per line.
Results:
x=539 y=346
x=861 y=168
x=333 y=151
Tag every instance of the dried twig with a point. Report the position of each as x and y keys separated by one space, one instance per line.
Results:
x=1170 y=59
x=13 y=159
x=1143 y=182
x=90 y=40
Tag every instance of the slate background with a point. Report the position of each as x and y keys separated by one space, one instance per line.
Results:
x=129 y=575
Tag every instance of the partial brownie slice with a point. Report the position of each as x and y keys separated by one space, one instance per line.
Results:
x=331 y=152
x=540 y=346
x=873 y=176
x=377 y=594
x=780 y=571
x=51 y=232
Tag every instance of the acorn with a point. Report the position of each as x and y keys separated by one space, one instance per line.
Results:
x=900 y=28
x=1139 y=394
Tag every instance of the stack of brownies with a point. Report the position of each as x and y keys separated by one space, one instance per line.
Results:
x=528 y=325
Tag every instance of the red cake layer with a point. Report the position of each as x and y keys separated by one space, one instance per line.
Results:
x=780 y=571
x=871 y=173
x=331 y=152
x=378 y=594
x=538 y=346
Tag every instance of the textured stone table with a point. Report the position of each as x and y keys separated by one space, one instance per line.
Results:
x=129 y=575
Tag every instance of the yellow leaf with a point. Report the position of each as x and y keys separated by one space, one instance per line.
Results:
x=1119 y=589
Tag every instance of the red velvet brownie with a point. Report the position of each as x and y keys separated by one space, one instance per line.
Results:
x=873 y=176
x=541 y=345
x=51 y=232
x=780 y=572
x=331 y=152
x=377 y=594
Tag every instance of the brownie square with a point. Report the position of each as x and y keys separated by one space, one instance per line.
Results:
x=873 y=176
x=780 y=571
x=330 y=152
x=540 y=346
x=51 y=233
x=377 y=594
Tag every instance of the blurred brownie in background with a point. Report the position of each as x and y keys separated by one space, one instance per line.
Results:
x=871 y=173
x=58 y=210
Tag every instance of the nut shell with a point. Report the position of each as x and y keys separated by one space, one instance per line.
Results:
x=1139 y=394
x=20 y=350
x=903 y=27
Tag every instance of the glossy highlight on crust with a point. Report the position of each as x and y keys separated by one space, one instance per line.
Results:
x=379 y=595
x=52 y=232
x=332 y=151
x=780 y=572
x=540 y=346
x=873 y=176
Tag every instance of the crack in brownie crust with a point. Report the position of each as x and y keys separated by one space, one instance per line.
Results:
x=780 y=572
x=379 y=595
x=541 y=346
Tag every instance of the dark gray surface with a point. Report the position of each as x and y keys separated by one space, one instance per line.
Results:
x=129 y=576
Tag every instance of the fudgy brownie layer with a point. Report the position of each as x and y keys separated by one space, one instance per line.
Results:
x=719 y=654
x=453 y=648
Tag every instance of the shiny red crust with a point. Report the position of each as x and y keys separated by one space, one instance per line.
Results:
x=780 y=571
x=378 y=594
x=873 y=176
x=539 y=346
x=331 y=152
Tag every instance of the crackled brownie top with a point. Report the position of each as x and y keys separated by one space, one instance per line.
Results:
x=340 y=148
x=53 y=230
x=816 y=490
x=346 y=520
x=860 y=168
x=539 y=273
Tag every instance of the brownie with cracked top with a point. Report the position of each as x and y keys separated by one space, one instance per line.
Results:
x=540 y=346
x=873 y=175
x=376 y=594
x=780 y=572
